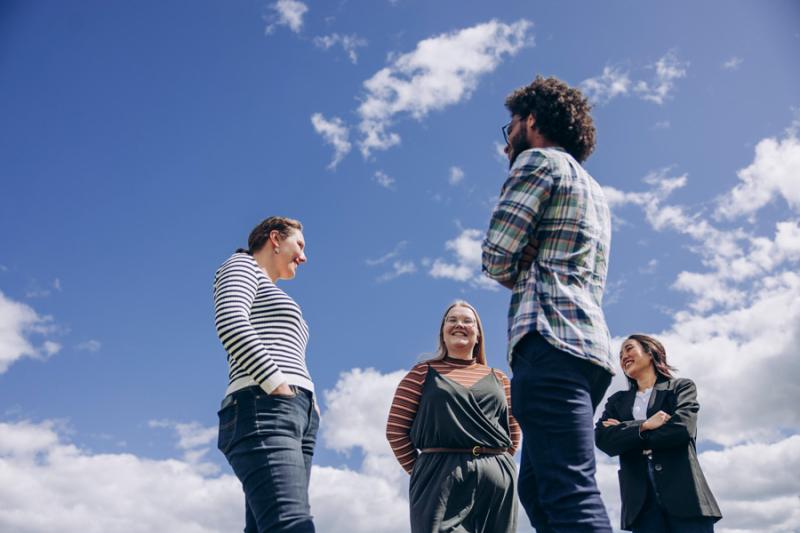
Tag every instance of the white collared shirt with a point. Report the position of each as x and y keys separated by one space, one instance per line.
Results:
x=640 y=404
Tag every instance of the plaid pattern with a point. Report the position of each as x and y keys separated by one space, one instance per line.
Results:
x=550 y=200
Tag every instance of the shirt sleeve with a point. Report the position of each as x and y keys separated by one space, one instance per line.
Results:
x=401 y=416
x=522 y=201
x=234 y=293
x=513 y=425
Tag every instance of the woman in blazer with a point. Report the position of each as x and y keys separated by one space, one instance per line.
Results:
x=652 y=428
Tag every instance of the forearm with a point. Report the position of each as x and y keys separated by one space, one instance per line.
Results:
x=618 y=439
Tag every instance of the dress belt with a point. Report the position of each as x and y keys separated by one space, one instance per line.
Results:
x=475 y=450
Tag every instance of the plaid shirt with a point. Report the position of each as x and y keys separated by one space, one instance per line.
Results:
x=550 y=200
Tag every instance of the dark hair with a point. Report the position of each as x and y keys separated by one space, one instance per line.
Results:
x=260 y=234
x=657 y=353
x=561 y=113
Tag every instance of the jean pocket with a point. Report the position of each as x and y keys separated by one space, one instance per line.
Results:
x=228 y=417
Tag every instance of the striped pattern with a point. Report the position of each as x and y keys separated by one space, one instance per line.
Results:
x=406 y=399
x=260 y=326
x=550 y=200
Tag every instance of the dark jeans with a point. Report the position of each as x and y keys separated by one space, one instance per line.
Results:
x=653 y=519
x=553 y=397
x=269 y=441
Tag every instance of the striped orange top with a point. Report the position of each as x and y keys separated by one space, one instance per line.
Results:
x=406 y=400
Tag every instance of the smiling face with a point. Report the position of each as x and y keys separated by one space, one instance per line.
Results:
x=635 y=362
x=291 y=254
x=460 y=331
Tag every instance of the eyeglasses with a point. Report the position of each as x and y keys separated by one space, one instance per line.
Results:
x=505 y=129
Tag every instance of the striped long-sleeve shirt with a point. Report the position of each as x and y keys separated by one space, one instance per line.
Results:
x=550 y=200
x=261 y=327
x=407 y=397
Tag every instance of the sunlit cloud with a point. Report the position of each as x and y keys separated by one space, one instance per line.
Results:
x=286 y=13
x=440 y=72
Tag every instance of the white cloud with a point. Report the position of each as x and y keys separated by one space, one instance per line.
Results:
x=773 y=174
x=440 y=72
x=399 y=268
x=335 y=133
x=18 y=322
x=384 y=180
x=456 y=176
x=91 y=345
x=611 y=83
x=500 y=152
x=287 y=13
x=668 y=69
x=457 y=272
x=466 y=249
x=349 y=43
x=96 y=493
x=387 y=256
x=194 y=440
x=662 y=125
x=733 y=63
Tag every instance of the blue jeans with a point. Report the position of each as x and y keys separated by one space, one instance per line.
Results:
x=553 y=397
x=269 y=441
x=653 y=519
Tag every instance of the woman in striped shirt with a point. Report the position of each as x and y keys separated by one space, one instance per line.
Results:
x=450 y=427
x=268 y=421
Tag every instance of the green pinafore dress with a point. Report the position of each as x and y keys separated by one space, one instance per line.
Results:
x=458 y=492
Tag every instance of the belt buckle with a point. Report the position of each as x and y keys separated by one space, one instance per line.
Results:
x=475 y=452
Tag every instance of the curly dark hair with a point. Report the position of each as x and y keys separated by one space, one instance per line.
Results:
x=561 y=113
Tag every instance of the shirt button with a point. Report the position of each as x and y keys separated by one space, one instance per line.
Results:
x=658 y=468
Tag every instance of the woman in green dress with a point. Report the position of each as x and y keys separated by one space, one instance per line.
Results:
x=451 y=429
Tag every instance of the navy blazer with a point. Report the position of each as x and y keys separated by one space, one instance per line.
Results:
x=682 y=488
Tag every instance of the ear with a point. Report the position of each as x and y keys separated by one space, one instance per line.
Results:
x=531 y=121
x=275 y=237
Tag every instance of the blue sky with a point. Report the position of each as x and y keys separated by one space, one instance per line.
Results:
x=139 y=144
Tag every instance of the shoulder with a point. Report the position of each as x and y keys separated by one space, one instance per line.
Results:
x=678 y=383
x=238 y=261
x=532 y=159
x=682 y=384
x=500 y=374
x=420 y=369
x=617 y=396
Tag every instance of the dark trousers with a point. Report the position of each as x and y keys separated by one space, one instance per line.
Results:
x=553 y=397
x=269 y=441
x=653 y=519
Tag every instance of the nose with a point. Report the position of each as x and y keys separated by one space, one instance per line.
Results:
x=302 y=259
x=506 y=149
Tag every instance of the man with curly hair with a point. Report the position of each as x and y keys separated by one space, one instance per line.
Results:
x=548 y=241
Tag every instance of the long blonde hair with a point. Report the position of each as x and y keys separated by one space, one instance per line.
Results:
x=479 y=351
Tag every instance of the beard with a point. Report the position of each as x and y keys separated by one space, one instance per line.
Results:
x=516 y=146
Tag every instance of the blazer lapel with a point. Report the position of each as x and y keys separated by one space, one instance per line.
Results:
x=657 y=397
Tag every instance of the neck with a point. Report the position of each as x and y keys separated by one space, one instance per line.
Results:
x=540 y=141
x=647 y=381
x=264 y=260
x=460 y=354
